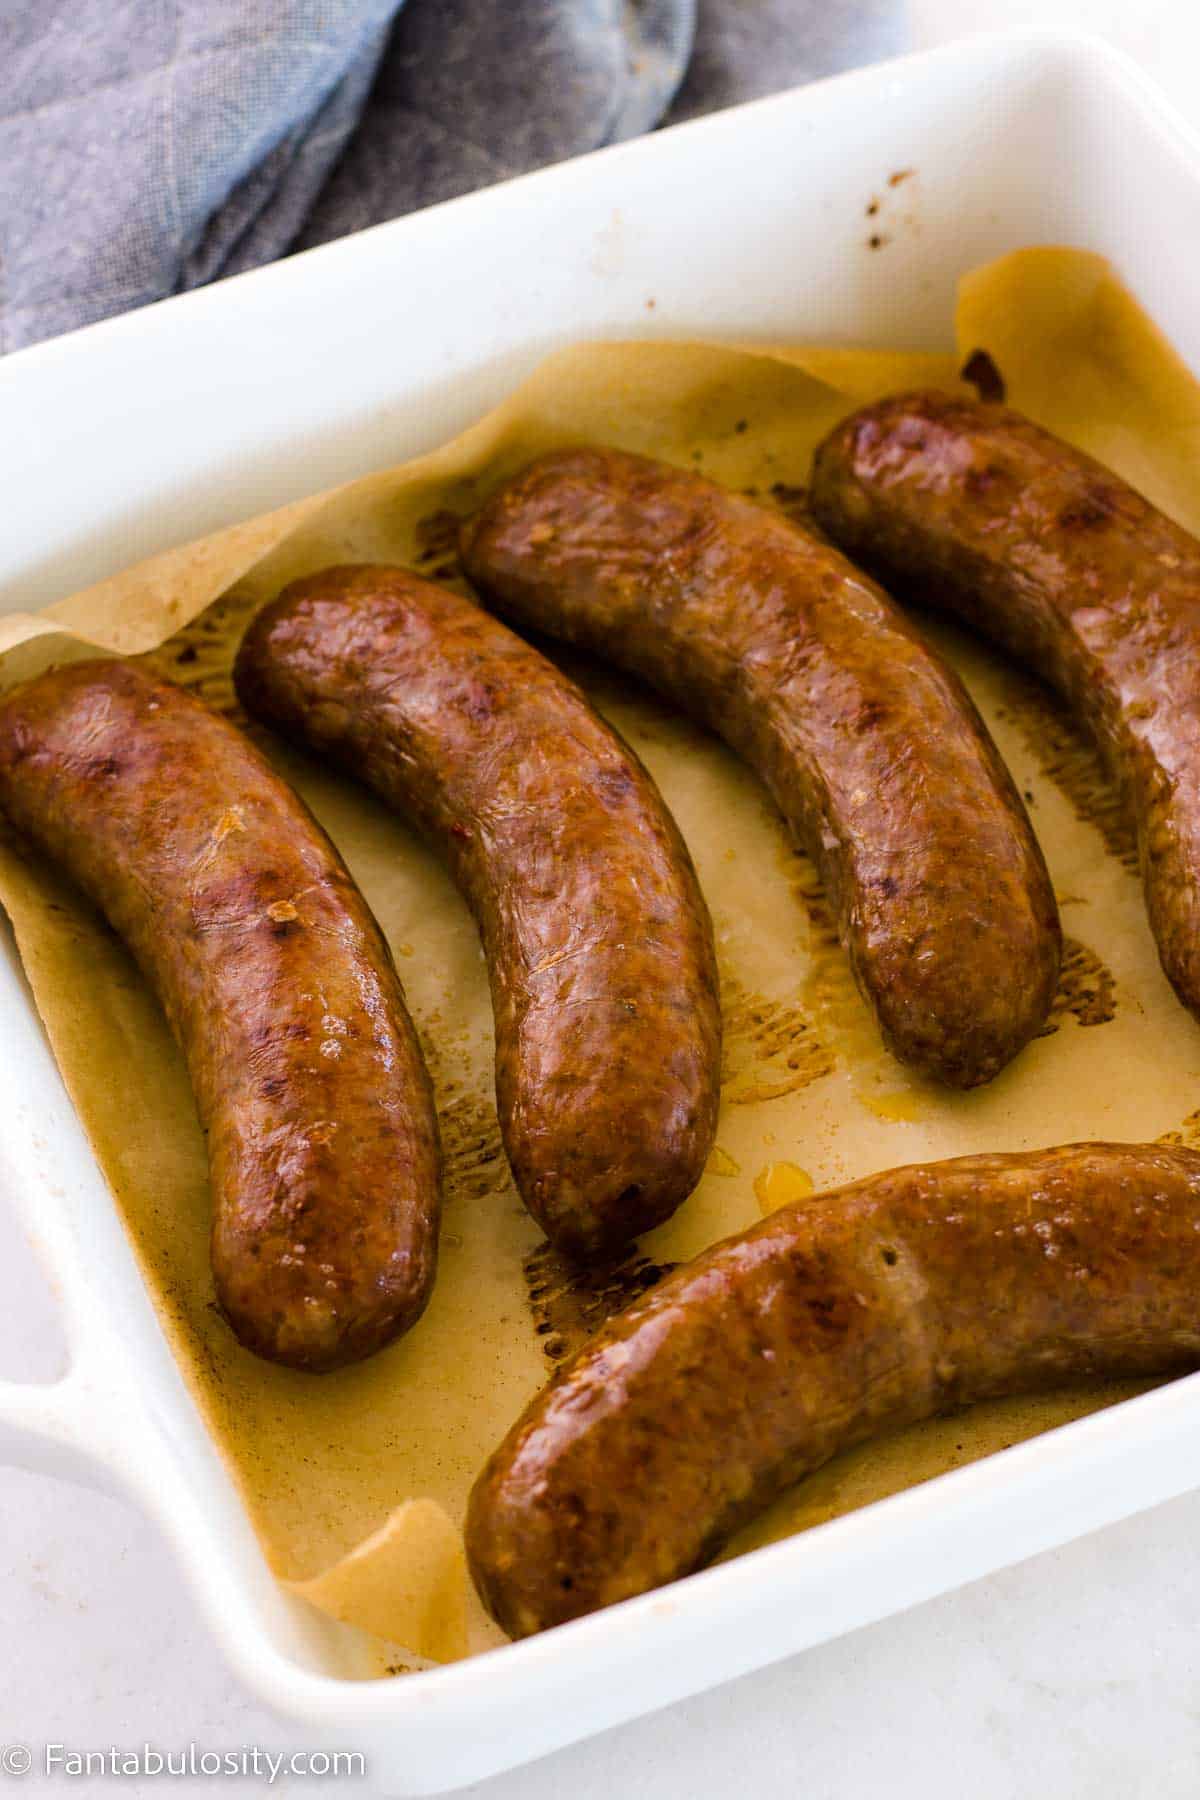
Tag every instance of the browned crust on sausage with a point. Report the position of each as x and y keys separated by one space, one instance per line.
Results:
x=597 y=938
x=901 y=1296
x=975 y=509
x=276 y=980
x=868 y=742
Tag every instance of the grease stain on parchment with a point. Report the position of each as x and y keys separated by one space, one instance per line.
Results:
x=1068 y=758
x=199 y=657
x=1186 y=1135
x=781 y=1184
x=569 y=1302
x=472 y=1150
x=845 y=1021
x=1086 y=990
x=437 y=554
x=771 y=1047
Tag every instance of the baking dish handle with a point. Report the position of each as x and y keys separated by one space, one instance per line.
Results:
x=56 y=1428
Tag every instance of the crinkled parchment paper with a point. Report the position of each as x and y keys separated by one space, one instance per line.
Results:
x=356 y=1482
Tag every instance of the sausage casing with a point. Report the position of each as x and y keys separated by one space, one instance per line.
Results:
x=872 y=1306
x=322 y=1141
x=975 y=509
x=597 y=938
x=868 y=742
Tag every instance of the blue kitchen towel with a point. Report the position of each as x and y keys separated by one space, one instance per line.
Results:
x=147 y=146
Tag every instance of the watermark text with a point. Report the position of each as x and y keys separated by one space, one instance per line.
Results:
x=193 y=1759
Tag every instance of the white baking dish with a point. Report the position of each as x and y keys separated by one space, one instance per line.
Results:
x=136 y=434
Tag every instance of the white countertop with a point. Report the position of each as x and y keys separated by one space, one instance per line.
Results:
x=1073 y=1675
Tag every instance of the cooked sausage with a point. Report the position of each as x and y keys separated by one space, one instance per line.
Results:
x=974 y=509
x=878 y=1304
x=869 y=744
x=322 y=1140
x=597 y=938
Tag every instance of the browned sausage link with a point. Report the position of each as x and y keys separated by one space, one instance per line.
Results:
x=975 y=509
x=597 y=938
x=322 y=1141
x=893 y=1299
x=868 y=742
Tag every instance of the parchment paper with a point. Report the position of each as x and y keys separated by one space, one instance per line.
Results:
x=327 y=1465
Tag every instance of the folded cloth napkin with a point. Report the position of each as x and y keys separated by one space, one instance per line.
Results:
x=153 y=145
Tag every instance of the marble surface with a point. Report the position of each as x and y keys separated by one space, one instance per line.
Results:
x=1074 y=1674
